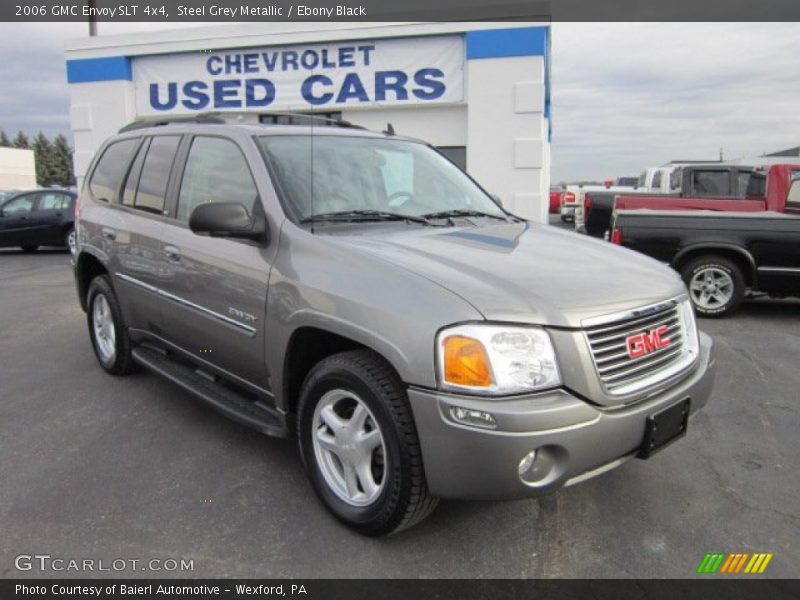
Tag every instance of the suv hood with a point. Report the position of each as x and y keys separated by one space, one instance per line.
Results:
x=523 y=272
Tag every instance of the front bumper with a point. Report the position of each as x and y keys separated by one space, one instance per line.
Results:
x=574 y=440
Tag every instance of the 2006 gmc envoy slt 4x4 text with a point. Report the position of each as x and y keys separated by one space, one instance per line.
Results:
x=360 y=291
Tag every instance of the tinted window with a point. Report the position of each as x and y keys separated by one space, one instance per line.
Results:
x=711 y=183
x=19 y=204
x=155 y=173
x=752 y=184
x=794 y=192
x=108 y=174
x=216 y=171
x=129 y=191
x=53 y=201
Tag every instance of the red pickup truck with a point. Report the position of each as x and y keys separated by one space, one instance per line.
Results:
x=699 y=187
x=767 y=188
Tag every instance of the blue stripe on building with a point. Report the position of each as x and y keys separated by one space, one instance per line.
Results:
x=502 y=43
x=110 y=68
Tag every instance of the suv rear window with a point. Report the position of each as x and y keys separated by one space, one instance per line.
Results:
x=110 y=169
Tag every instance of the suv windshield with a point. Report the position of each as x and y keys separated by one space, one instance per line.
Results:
x=333 y=175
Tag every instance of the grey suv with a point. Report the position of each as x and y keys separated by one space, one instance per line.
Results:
x=360 y=291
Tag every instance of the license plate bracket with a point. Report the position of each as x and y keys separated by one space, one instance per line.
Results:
x=664 y=427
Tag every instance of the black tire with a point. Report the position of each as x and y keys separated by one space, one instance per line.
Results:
x=29 y=248
x=121 y=363
x=404 y=499
x=703 y=263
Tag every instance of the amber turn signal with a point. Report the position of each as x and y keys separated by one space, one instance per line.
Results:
x=466 y=362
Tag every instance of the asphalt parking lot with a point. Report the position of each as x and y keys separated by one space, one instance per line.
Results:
x=93 y=466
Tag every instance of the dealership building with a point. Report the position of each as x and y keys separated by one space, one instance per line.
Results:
x=480 y=92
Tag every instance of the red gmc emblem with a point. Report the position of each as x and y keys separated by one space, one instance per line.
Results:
x=647 y=341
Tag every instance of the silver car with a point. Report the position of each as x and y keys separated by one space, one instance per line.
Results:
x=359 y=291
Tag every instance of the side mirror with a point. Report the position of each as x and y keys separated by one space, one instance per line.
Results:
x=227 y=219
x=497 y=199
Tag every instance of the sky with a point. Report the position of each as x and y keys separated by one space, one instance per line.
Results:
x=625 y=96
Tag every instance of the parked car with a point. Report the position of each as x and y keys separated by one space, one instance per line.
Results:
x=419 y=341
x=33 y=218
x=696 y=187
x=721 y=255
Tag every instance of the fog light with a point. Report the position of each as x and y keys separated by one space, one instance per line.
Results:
x=475 y=418
x=526 y=463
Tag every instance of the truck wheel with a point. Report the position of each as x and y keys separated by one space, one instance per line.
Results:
x=716 y=285
x=110 y=340
x=359 y=444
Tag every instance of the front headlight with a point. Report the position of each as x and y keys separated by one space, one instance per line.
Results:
x=689 y=325
x=496 y=359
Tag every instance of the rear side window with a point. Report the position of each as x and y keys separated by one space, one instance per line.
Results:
x=54 y=201
x=657 y=180
x=152 y=190
x=108 y=174
x=216 y=171
x=20 y=204
x=793 y=198
x=711 y=183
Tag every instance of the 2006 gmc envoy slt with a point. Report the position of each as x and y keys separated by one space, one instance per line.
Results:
x=360 y=291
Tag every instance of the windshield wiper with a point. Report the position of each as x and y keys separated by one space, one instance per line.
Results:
x=461 y=212
x=364 y=215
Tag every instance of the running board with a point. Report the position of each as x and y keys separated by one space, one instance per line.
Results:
x=254 y=414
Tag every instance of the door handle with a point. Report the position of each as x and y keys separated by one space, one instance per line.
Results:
x=109 y=234
x=172 y=252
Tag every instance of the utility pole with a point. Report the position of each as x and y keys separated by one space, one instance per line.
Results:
x=92 y=17
x=720 y=155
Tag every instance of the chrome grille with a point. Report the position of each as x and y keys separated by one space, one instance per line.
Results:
x=617 y=370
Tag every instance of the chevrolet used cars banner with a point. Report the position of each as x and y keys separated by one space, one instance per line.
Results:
x=360 y=73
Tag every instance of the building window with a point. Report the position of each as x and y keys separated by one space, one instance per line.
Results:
x=458 y=154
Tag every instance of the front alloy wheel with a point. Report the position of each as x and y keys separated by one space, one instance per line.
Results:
x=349 y=447
x=359 y=444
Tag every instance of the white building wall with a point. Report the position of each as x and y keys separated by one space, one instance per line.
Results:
x=507 y=132
x=437 y=125
x=97 y=110
x=17 y=169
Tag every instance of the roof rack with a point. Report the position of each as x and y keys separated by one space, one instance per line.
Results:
x=205 y=117
x=218 y=118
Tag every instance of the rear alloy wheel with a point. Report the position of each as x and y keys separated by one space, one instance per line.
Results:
x=106 y=328
x=716 y=285
x=70 y=240
x=359 y=444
